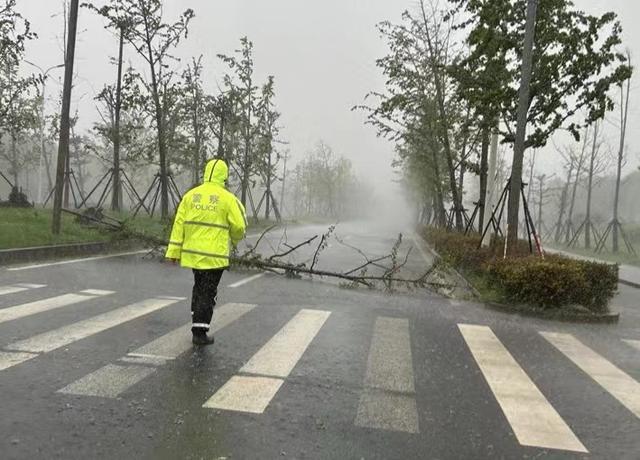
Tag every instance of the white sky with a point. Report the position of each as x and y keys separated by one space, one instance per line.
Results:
x=322 y=54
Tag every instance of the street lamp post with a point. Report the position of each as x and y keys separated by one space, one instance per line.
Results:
x=44 y=74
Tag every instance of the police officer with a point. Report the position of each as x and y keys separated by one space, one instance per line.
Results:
x=208 y=220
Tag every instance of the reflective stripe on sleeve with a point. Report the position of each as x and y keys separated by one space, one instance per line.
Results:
x=206 y=224
x=201 y=326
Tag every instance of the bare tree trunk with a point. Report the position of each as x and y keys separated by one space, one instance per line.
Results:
x=43 y=149
x=195 y=174
x=198 y=141
x=492 y=181
x=461 y=177
x=67 y=180
x=531 y=171
x=284 y=179
x=484 y=167
x=116 y=195
x=443 y=129
x=574 y=191
x=587 y=225
x=247 y=148
x=162 y=141
x=65 y=122
x=563 y=203
x=439 y=209
x=267 y=213
x=221 y=136
x=624 y=113
x=77 y=160
x=47 y=166
x=540 y=198
x=455 y=197
x=513 y=215
x=14 y=157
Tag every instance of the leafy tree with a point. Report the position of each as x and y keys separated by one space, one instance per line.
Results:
x=138 y=144
x=18 y=107
x=574 y=64
x=153 y=39
x=420 y=110
x=62 y=166
x=20 y=121
x=597 y=161
x=579 y=160
x=570 y=167
x=196 y=116
x=78 y=158
x=245 y=125
x=119 y=22
x=224 y=122
x=323 y=183
x=268 y=131
x=615 y=225
x=436 y=34
x=244 y=91
x=574 y=161
x=15 y=31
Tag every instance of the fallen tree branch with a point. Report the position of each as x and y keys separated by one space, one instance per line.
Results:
x=324 y=242
x=293 y=248
x=365 y=280
x=373 y=262
x=369 y=262
x=255 y=261
x=262 y=235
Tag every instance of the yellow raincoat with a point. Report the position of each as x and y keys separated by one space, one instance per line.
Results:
x=208 y=220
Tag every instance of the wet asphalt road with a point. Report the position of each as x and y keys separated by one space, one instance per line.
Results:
x=302 y=369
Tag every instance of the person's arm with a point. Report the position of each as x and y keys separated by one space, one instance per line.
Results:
x=174 y=249
x=237 y=221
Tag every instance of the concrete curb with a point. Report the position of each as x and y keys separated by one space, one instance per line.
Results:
x=38 y=253
x=559 y=315
x=629 y=283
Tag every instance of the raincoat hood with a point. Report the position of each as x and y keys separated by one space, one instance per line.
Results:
x=216 y=172
x=209 y=220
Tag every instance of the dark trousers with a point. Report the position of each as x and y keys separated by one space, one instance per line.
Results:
x=203 y=299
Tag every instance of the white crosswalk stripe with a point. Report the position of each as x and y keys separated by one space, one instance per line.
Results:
x=109 y=381
x=112 y=380
x=19 y=287
x=533 y=419
x=52 y=303
x=12 y=358
x=269 y=367
x=388 y=399
x=49 y=341
x=244 y=281
x=615 y=381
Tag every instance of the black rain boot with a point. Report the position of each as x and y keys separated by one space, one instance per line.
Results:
x=200 y=338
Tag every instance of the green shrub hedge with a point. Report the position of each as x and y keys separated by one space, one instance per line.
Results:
x=553 y=282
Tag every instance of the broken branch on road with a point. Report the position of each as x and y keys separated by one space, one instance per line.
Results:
x=292 y=248
x=251 y=259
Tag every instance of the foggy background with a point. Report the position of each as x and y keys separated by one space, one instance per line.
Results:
x=322 y=55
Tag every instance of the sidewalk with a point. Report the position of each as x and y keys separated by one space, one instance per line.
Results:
x=629 y=274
